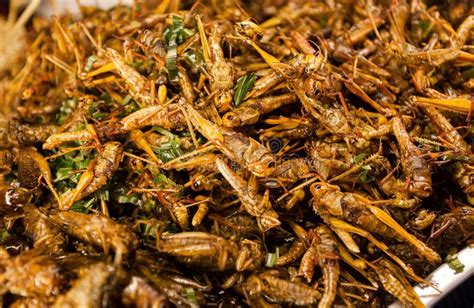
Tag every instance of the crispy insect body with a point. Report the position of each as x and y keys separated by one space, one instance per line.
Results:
x=201 y=212
x=250 y=255
x=139 y=139
x=12 y=198
x=220 y=70
x=136 y=83
x=163 y=116
x=281 y=290
x=56 y=139
x=295 y=251
x=104 y=167
x=451 y=228
x=332 y=119
x=29 y=274
x=199 y=245
x=97 y=230
x=324 y=252
x=395 y=283
x=28 y=135
x=141 y=294
x=256 y=205
x=462 y=173
x=329 y=158
x=41 y=231
x=416 y=168
x=186 y=85
x=265 y=83
x=179 y=212
x=96 y=287
x=289 y=172
x=250 y=111
x=351 y=208
x=238 y=147
x=34 y=164
x=167 y=117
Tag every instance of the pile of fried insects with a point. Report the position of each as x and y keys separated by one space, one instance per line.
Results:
x=244 y=153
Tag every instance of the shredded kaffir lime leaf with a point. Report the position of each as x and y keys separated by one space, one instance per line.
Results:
x=243 y=86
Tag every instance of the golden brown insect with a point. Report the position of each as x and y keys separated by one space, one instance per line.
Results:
x=99 y=173
x=416 y=168
x=98 y=230
x=220 y=70
x=238 y=147
x=12 y=198
x=193 y=247
x=41 y=231
x=136 y=83
x=357 y=210
x=324 y=252
x=141 y=294
x=29 y=274
x=250 y=111
x=95 y=284
x=255 y=204
x=394 y=282
x=280 y=290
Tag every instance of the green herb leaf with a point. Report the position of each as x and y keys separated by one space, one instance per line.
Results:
x=67 y=107
x=4 y=235
x=89 y=63
x=359 y=158
x=454 y=263
x=365 y=176
x=272 y=258
x=164 y=132
x=126 y=100
x=191 y=295
x=169 y=150
x=83 y=206
x=171 y=66
x=243 y=86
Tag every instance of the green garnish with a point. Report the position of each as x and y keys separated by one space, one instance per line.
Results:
x=364 y=175
x=89 y=63
x=191 y=295
x=171 y=65
x=243 y=86
x=454 y=263
x=67 y=107
x=359 y=158
x=272 y=258
x=174 y=36
x=83 y=206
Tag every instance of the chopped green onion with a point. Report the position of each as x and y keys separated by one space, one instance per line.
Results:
x=67 y=107
x=454 y=263
x=132 y=198
x=106 y=97
x=63 y=173
x=83 y=206
x=359 y=158
x=365 y=176
x=272 y=258
x=191 y=295
x=171 y=66
x=89 y=63
x=164 y=132
x=167 y=151
x=243 y=86
x=126 y=100
x=4 y=235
